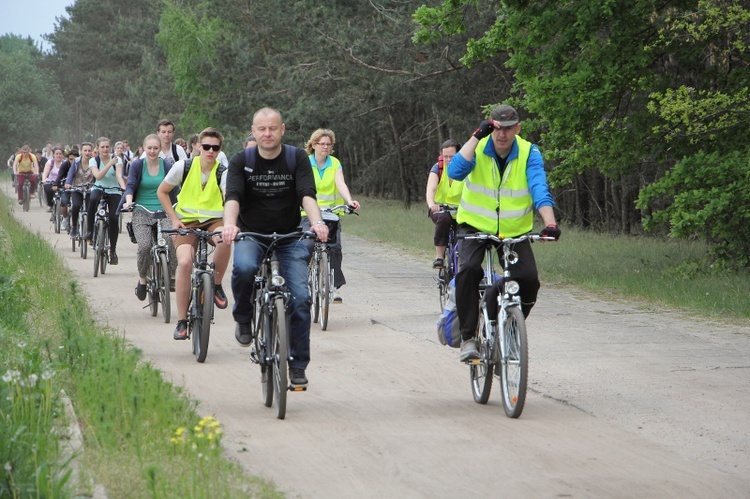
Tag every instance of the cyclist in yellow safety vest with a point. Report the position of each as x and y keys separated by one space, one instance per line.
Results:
x=200 y=204
x=504 y=181
x=441 y=189
x=331 y=191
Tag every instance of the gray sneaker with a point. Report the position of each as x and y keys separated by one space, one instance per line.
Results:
x=243 y=333
x=469 y=350
x=297 y=377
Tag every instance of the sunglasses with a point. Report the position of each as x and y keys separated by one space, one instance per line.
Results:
x=208 y=147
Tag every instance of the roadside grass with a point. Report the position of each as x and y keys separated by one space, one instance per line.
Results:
x=142 y=435
x=656 y=271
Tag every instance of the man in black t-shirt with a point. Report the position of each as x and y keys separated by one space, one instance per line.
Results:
x=265 y=197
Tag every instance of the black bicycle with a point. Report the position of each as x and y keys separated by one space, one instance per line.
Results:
x=450 y=259
x=57 y=216
x=270 y=323
x=25 y=190
x=100 y=241
x=157 y=278
x=201 y=305
x=320 y=273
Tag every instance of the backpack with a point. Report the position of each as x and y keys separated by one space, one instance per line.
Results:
x=290 y=155
x=448 y=330
x=175 y=157
x=219 y=172
x=440 y=166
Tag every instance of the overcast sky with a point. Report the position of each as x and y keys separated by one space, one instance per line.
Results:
x=31 y=17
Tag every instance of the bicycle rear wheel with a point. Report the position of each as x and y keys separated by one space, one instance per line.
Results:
x=202 y=324
x=514 y=362
x=163 y=285
x=481 y=372
x=279 y=354
x=312 y=285
x=324 y=289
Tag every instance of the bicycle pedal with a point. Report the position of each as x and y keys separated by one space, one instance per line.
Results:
x=293 y=388
x=473 y=362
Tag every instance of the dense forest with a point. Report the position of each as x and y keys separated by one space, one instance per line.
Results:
x=640 y=107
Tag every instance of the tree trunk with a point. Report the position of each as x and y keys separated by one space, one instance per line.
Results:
x=405 y=191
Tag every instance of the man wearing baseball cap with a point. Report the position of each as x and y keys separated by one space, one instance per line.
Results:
x=504 y=182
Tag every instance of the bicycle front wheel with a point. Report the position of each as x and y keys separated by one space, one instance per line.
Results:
x=202 y=324
x=312 y=285
x=514 y=362
x=104 y=238
x=481 y=372
x=324 y=289
x=40 y=195
x=97 y=244
x=279 y=354
x=163 y=285
x=26 y=196
x=82 y=234
x=152 y=287
x=266 y=369
x=56 y=215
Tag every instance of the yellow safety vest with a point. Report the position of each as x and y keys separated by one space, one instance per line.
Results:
x=500 y=206
x=196 y=202
x=448 y=190
x=325 y=185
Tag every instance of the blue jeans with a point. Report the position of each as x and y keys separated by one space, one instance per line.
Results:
x=294 y=258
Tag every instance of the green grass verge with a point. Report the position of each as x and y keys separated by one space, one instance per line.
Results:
x=142 y=435
x=661 y=272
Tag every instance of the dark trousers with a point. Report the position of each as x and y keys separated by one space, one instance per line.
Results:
x=470 y=274
x=442 y=223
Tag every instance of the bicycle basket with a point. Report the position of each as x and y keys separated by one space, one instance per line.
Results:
x=332 y=221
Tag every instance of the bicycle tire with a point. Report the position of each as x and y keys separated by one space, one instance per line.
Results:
x=82 y=234
x=324 y=290
x=73 y=243
x=164 y=298
x=152 y=287
x=26 y=195
x=312 y=285
x=56 y=215
x=41 y=196
x=442 y=289
x=279 y=357
x=104 y=247
x=95 y=245
x=481 y=373
x=266 y=370
x=514 y=363
x=202 y=323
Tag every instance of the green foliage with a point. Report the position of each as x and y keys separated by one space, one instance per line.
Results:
x=707 y=196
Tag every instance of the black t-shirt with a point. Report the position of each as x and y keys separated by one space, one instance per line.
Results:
x=270 y=197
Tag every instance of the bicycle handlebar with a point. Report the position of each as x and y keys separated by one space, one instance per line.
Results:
x=158 y=213
x=198 y=232
x=275 y=236
x=345 y=208
x=484 y=236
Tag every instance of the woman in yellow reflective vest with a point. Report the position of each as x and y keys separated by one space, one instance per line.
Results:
x=442 y=189
x=331 y=190
x=504 y=182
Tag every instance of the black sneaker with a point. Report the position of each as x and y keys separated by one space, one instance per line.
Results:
x=297 y=377
x=220 y=297
x=180 y=332
x=243 y=333
x=88 y=236
x=438 y=263
x=140 y=291
x=113 y=260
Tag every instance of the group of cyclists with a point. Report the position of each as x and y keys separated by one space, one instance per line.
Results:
x=495 y=181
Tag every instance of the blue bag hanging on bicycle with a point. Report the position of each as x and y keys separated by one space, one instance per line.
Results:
x=448 y=330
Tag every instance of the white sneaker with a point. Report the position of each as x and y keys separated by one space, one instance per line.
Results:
x=65 y=224
x=469 y=350
x=337 y=296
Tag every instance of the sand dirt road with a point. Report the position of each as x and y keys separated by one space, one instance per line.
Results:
x=625 y=400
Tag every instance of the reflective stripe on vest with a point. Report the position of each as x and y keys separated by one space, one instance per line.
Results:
x=198 y=203
x=498 y=206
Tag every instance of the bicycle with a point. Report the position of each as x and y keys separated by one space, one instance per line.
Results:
x=40 y=195
x=57 y=216
x=502 y=348
x=320 y=273
x=26 y=190
x=450 y=259
x=270 y=323
x=201 y=304
x=80 y=238
x=157 y=278
x=100 y=241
